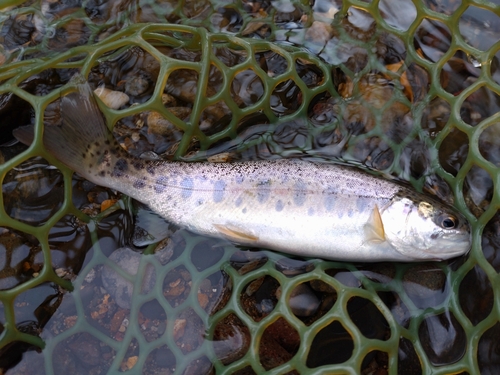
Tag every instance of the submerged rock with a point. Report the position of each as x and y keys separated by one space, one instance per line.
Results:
x=121 y=288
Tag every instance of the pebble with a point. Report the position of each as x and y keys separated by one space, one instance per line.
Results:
x=129 y=363
x=179 y=327
x=90 y=276
x=136 y=86
x=303 y=301
x=168 y=100
x=293 y=267
x=159 y=125
x=223 y=157
x=113 y=99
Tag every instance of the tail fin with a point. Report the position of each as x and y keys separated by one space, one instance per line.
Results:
x=82 y=133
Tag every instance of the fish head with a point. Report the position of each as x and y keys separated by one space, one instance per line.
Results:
x=420 y=228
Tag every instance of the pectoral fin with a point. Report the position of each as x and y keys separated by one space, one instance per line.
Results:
x=235 y=234
x=374 y=228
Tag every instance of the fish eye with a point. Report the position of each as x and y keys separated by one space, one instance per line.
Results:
x=448 y=222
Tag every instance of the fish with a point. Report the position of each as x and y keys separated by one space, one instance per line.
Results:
x=303 y=208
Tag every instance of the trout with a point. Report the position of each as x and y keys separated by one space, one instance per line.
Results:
x=305 y=208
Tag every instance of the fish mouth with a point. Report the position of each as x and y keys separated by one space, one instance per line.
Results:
x=456 y=237
x=450 y=249
x=441 y=256
x=453 y=241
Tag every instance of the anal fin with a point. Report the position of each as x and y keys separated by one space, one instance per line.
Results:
x=149 y=227
x=235 y=234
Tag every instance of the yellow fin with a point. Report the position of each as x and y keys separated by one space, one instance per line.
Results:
x=235 y=234
x=374 y=228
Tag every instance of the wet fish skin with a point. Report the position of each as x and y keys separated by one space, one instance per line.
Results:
x=304 y=208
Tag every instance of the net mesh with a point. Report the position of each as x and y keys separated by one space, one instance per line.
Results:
x=408 y=88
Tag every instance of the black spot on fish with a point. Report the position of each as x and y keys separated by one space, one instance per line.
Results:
x=161 y=184
x=106 y=152
x=98 y=153
x=138 y=164
x=150 y=169
x=139 y=184
x=121 y=166
x=107 y=142
x=97 y=144
x=91 y=154
x=84 y=156
x=102 y=173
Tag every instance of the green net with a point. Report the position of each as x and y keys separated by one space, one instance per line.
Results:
x=410 y=89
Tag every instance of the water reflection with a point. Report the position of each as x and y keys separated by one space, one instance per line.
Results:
x=476 y=295
x=426 y=286
x=442 y=338
x=33 y=192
